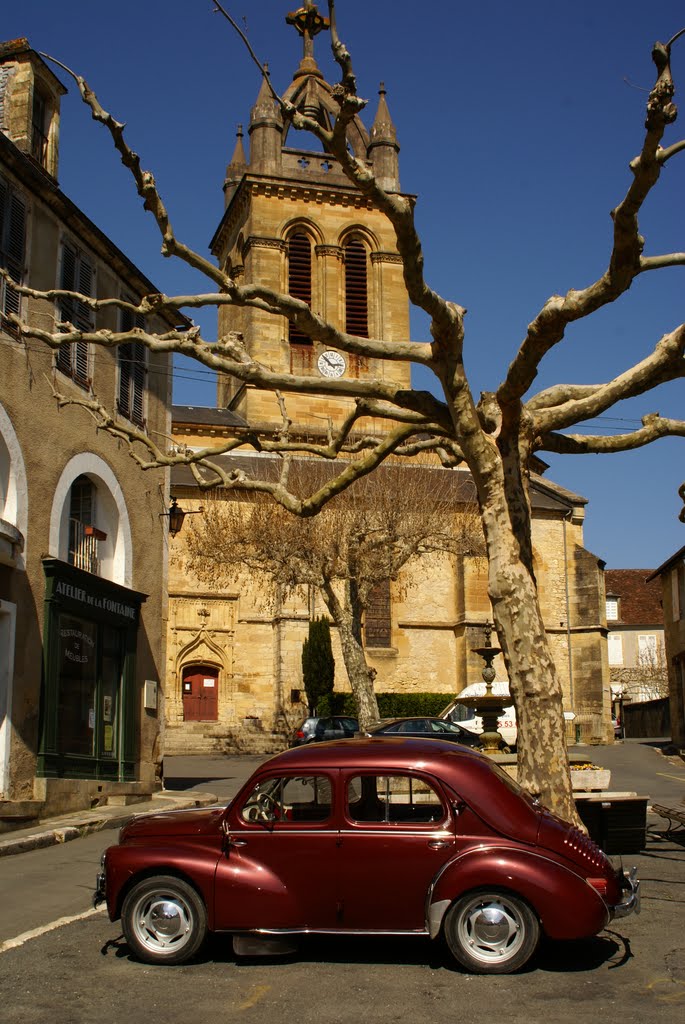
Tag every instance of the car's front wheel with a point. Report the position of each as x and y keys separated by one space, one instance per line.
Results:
x=491 y=932
x=164 y=920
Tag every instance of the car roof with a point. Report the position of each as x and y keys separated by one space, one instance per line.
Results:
x=379 y=752
x=470 y=774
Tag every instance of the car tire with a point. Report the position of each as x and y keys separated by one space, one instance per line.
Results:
x=491 y=932
x=164 y=920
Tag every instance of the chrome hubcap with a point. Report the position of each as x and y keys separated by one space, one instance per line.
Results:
x=491 y=929
x=162 y=922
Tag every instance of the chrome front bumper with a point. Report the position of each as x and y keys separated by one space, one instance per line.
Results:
x=100 y=894
x=630 y=901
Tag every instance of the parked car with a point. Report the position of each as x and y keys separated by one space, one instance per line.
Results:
x=332 y=727
x=467 y=718
x=435 y=727
x=382 y=835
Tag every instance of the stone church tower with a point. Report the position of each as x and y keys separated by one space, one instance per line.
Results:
x=293 y=222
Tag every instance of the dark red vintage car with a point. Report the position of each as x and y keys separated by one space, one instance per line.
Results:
x=384 y=836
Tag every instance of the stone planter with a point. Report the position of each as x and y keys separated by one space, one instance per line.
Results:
x=585 y=780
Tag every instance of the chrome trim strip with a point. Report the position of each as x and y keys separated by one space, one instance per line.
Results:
x=326 y=931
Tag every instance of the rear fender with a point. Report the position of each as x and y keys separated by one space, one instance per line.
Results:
x=567 y=907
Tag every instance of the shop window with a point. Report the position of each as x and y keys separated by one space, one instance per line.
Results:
x=356 y=288
x=12 y=252
x=90 y=697
x=299 y=279
x=77 y=275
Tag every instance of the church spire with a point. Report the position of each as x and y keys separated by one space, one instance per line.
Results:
x=266 y=129
x=236 y=167
x=383 y=146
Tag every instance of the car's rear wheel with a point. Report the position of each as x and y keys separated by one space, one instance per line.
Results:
x=164 y=920
x=491 y=932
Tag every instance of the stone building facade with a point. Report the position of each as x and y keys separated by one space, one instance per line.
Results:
x=293 y=222
x=82 y=532
x=671 y=576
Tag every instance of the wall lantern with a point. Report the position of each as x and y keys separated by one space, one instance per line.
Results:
x=176 y=515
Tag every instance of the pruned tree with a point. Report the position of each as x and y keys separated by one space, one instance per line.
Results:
x=382 y=528
x=495 y=435
x=318 y=664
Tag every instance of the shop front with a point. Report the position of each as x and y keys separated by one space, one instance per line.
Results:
x=89 y=700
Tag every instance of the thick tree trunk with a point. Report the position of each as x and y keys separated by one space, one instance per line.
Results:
x=543 y=765
x=347 y=617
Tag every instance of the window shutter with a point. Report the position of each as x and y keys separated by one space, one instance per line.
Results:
x=356 y=289
x=615 y=645
x=299 y=278
x=132 y=357
x=12 y=247
x=377 y=617
x=139 y=381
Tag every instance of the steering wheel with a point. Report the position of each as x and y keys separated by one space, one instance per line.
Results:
x=267 y=809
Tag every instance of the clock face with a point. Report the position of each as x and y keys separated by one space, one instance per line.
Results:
x=331 y=364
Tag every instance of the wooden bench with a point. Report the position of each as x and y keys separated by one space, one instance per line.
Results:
x=672 y=814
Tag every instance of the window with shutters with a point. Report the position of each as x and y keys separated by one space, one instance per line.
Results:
x=615 y=646
x=612 y=609
x=132 y=363
x=77 y=274
x=356 y=288
x=12 y=252
x=377 y=617
x=299 y=279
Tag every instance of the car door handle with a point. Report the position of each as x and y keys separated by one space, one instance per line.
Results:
x=440 y=844
x=237 y=842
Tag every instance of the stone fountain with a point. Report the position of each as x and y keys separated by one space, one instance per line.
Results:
x=489 y=706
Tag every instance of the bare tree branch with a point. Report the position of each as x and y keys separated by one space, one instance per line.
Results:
x=654 y=427
x=625 y=264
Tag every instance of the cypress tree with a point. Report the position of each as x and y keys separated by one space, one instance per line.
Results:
x=318 y=666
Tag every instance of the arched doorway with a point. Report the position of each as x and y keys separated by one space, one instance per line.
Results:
x=200 y=693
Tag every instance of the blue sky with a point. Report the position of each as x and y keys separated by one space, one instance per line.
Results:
x=516 y=124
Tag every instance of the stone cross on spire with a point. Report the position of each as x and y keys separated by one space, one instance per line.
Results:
x=308 y=23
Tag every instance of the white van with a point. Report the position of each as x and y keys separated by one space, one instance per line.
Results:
x=466 y=717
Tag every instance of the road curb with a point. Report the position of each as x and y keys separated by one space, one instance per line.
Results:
x=98 y=821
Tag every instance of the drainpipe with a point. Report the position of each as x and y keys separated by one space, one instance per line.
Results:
x=565 y=519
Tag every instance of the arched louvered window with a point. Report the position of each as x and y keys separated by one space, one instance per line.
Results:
x=356 y=289
x=299 y=278
x=378 y=616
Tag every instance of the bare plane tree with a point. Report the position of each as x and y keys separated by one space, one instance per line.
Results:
x=383 y=528
x=495 y=436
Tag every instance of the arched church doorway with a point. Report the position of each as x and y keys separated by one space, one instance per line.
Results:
x=200 y=693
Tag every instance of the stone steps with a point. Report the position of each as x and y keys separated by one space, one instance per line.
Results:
x=210 y=738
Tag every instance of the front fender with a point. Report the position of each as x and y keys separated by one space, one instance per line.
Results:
x=566 y=905
x=126 y=865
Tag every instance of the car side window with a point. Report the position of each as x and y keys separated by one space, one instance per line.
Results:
x=393 y=799
x=289 y=799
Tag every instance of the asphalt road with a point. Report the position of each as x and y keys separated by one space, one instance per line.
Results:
x=633 y=972
x=81 y=971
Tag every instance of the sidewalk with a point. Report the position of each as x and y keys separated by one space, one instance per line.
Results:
x=81 y=823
